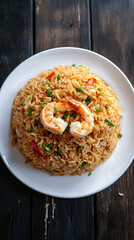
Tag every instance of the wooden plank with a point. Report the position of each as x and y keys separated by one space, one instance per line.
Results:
x=71 y=219
x=15 y=46
x=112 y=34
x=62 y=23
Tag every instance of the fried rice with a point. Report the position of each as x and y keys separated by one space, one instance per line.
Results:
x=65 y=154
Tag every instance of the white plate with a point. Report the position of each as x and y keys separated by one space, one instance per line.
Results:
x=68 y=186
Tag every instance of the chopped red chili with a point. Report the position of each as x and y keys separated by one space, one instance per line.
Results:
x=51 y=75
x=36 y=149
x=92 y=82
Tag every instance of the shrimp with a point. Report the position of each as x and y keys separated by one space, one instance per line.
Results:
x=58 y=125
x=51 y=123
x=81 y=129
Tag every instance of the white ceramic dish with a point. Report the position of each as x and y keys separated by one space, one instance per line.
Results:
x=68 y=186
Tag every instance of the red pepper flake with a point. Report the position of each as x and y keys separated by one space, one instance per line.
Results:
x=36 y=149
x=51 y=75
x=92 y=82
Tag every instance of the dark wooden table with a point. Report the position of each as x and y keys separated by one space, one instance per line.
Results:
x=28 y=27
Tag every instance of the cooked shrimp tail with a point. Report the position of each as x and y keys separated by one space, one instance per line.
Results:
x=51 y=123
x=83 y=128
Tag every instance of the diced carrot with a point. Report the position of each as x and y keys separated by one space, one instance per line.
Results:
x=92 y=82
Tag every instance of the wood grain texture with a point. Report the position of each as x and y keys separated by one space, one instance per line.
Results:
x=112 y=35
x=62 y=23
x=15 y=46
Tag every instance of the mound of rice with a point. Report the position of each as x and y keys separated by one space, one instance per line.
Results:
x=65 y=154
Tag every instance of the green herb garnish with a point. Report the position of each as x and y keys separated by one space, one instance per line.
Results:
x=73 y=115
x=88 y=100
x=42 y=106
x=67 y=128
x=29 y=97
x=80 y=148
x=109 y=123
x=45 y=147
x=100 y=94
x=58 y=152
x=36 y=123
x=98 y=110
x=88 y=144
x=99 y=89
x=47 y=81
x=80 y=65
x=82 y=165
x=56 y=109
x=30 y=130
x=79 y=90
x=49 y=92
x=50 y=146
x=106 y=107
x=90 y=174
x=65 y=114
x=58 y=77
x=73 y=65
x=106 y=121
x=56 y=84
x=30 y=112
x=120 y=135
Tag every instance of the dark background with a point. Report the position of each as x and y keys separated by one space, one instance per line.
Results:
x=28 y=27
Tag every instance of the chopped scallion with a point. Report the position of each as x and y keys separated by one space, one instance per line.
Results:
x=88 y=100
x=109 y=123
x=49 y=92
x=50 y=146
x=65 y=114
x=56 y=109
x=106 y=107
x=73 y=65
x=90 y=174
x=30 y=130
x=30 y=112
x=73 y=115
x=79 y=90
x=67 y=128
x=36 y=123
x=58 y=152
x=42 y=106
x=80 y=148
x=82 y=165
x=56 y=84
x=98 y=110
x=99 y=89
x=58 y=77
x=29 y=97
x=45 y=147
x=120 y=135
x=47 y=81
x=80 y=65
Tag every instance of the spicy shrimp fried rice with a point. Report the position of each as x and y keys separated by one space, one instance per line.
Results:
x=65 y=120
